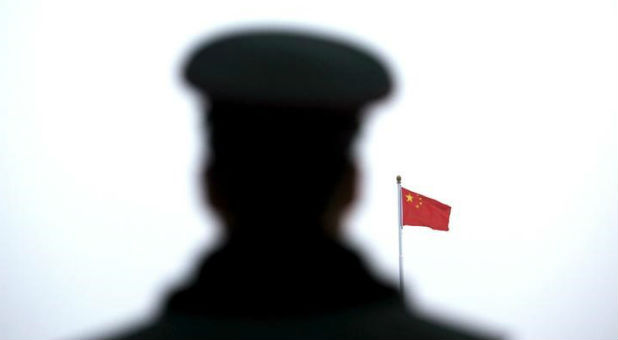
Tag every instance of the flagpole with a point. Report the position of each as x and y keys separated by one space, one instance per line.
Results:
x=400 y=227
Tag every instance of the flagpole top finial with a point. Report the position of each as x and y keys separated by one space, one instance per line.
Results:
x=398 y=179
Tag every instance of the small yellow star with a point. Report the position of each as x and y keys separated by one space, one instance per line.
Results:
x=421 y=203
x=409 y=198
x=417 y=206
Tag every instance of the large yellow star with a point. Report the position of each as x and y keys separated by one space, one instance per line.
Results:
x=409 y=198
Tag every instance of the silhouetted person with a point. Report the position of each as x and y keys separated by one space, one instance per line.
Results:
x=281 y=112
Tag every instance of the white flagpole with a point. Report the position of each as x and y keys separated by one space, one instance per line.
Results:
x=400 y=227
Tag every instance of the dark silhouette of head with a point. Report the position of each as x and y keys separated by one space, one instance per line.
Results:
x=296 y=161
x=282 y=112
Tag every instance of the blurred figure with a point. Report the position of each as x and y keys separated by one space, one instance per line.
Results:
x=282 y=109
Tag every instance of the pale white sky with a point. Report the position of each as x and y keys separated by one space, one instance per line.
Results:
x=505 y=110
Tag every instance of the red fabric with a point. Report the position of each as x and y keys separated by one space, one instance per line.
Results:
x=419 y=210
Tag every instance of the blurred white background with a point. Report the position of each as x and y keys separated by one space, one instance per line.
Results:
x=505 y=110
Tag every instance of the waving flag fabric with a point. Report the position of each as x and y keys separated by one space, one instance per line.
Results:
x=419 y=210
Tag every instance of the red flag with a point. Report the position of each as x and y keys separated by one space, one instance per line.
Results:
x=419 y=210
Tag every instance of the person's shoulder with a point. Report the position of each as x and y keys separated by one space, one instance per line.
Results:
x=439 y=329
x=391 y=319
x=379 y=321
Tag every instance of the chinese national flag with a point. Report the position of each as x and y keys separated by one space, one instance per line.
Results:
x=418 y=210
